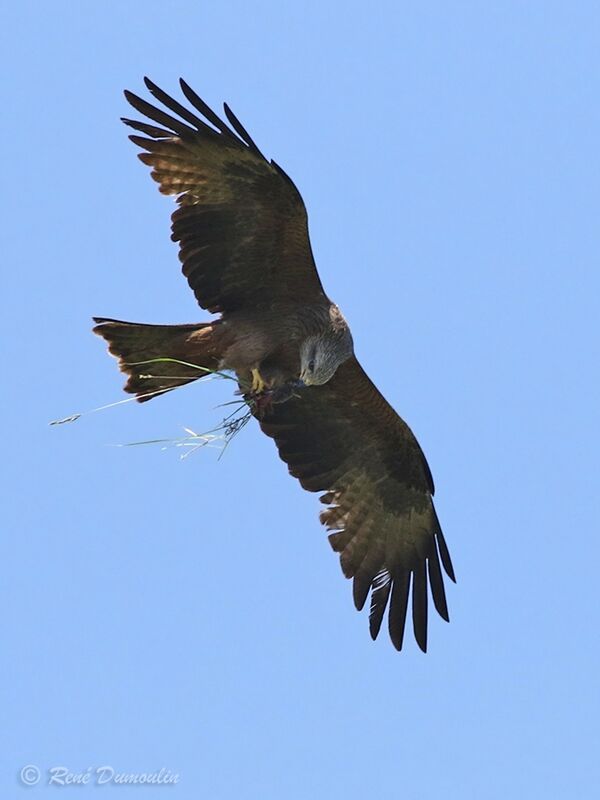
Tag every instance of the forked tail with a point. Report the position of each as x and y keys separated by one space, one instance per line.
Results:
x=137 y=345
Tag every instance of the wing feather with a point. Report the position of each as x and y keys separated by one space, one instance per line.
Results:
x=443 y=548
x=155 y=114
x=240 y=130
x=380 y=593
x=179 y=109
x=399 y=607
x=204 y=109
x=419 y=603
x=149 y=130
x=436 y=581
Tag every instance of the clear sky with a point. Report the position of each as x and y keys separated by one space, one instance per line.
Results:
x=190 y=614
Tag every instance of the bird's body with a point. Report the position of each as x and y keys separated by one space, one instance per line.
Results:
x=274 y=343
x=243 y=237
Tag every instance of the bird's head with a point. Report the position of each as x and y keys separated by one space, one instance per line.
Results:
x=321 y=355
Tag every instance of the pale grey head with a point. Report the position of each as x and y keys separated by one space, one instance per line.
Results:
x=321 y=354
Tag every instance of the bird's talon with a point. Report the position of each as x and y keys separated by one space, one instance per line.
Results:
x=258 y=385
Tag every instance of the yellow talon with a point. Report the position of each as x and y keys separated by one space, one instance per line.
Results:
x=258 y=385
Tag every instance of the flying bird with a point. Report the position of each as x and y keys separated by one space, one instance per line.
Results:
x=244 y=245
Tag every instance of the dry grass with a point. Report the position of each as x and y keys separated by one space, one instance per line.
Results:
x=218 y=437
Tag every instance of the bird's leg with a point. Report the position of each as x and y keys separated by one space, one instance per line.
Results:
x=260 y=393
x=258 y=385
x=270 y=385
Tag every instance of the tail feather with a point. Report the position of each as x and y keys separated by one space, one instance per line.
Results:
x=134 y=343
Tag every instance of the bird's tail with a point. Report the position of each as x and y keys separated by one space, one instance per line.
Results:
x=139 y=347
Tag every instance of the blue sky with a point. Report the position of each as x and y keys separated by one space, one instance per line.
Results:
x=190 y=614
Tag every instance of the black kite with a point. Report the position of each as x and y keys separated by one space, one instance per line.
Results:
x=243 y=240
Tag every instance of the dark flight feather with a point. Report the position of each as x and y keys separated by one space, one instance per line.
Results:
x=398 y=607
x=157 y=115
x=149 y=130
x=380 y=593
x=177 y=108
x=436 y=581
x=240 y=130
x=419 y=598
x=205 y=110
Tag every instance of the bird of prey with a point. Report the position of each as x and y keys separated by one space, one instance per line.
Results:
x=243 y=241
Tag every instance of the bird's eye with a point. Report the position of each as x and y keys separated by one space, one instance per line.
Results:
x=311 y=365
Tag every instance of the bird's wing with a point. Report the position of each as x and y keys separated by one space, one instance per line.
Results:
x=241 y=223
x=343 y=438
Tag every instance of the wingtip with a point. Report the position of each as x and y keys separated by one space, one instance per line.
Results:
x=133 y=99
x=420 y=637
x=152 y=87
x=359 y=596
x=100 y=322
x=444 y=552
x=449 y=569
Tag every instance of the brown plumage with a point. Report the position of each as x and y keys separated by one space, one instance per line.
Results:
x=243 y=238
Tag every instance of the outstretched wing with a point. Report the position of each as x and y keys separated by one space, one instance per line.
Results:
x=241 y=223
x=345 y=439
